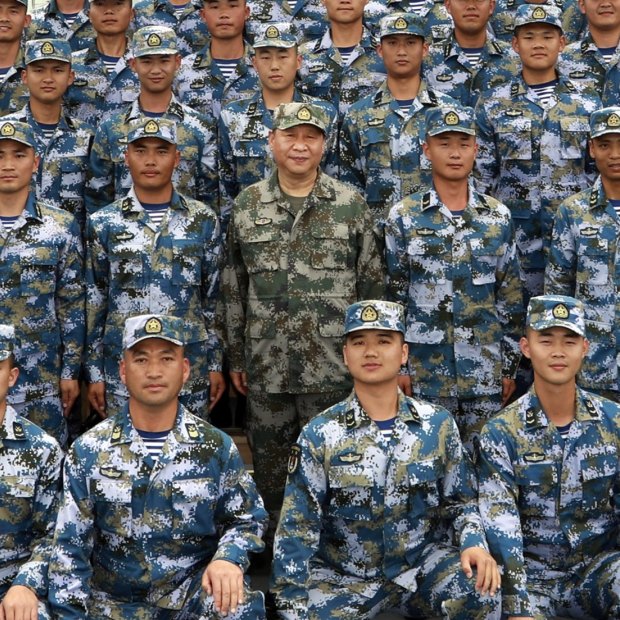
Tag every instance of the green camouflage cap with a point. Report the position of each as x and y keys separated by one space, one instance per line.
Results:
x=289 y=115
x=454 y=118
x=20 y=132
x=401 y=23
x=145 y=127
x=138 y=328
x=547 y=311
x=47 y=49
x=154 y=40
x=605 y=120
x=7 y=341
x=538 y=14
x=276 y=35
x=374 y=314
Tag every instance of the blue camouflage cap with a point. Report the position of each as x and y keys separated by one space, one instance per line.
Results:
x=276 y=35
x=453 y=118
x=7 y=341
x=375 y=314
x=166 y=327
x=47 y=49
x=401 y=23
x=288 y=115
x=604 y=121
x=145 y=127
x=154 y=40
x=538 y=14
x=20 y=132
x=547 y=311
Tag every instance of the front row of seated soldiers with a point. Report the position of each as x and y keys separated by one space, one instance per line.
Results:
x=158 y=515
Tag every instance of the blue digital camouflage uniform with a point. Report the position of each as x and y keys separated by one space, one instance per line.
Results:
x=134 y=535
x=201 y=85
x=192 y=32
x=42 y=294
x=195 y=175
x=585 y=67
x=381 y=147
x=135 y=267
x=244 y=157
x=30 y=462
x=49 y=23
x=308 y=17
x=551 y=508
x=63 y=165
x=447 y=69
x=13 y=91
x=95 y=93
x=364 y=521
x=531 y=158
x=322 y=74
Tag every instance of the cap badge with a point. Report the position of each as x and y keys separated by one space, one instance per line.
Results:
x=47 y=48
x=151 y=127
x=8 y=129
x=304 y=114
x=539 y=13
x=560 y=312
x=613 y=120
x=369 y=314
x=451 y=118
x=153 y=326
x=154 y=40
x=272 y=32
x=400 y=23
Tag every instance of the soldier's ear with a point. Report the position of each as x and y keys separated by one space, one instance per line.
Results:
x=13 y=374
x=524 y=345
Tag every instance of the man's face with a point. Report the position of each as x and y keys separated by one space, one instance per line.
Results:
x=48 y=80
x=402 y=54
x=276 y=67
x=8 y=377
x=13 y=20
x=470 y=16
x=452 y=155
x=374 y=356
x=602 y=15
x=297 y=150
x=110 y=17
x=538 y=46
x=151 y=162
x=225 y=19
x=556 y=354
x=154 y=371
x=17 y=165
x=345 y=11
x=156 y=72
x=605 y=150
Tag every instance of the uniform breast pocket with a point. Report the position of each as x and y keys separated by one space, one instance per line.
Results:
x=187 y=263
x=261 y=250
x=350 y=489
x=483 y=265
x=112 y=505
x=126 y=266
x=375 y=142
x=428 y=259
x=598 y=474
x=72 y=176
x=193 y=505
x=331 y=247
x=17 y=494
x=514 y=139
x=537 y=483
x=424 y=495
x=574 y=132
x=38 y=274
x=593 y=261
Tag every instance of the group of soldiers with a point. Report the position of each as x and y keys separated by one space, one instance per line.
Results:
x=189 y=188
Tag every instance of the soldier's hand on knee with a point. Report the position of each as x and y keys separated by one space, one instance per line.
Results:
x=20 y=603
x=96 y=397
x=224 y=581
x=487 y=573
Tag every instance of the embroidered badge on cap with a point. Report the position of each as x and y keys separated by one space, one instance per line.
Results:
x=8 y=129
x=613 y=120
x=47 y=48
x=154 y=40
x=304 y=114
x=369 y=313
x=151 y=127
x=560 y=312
x=272 y=32
x=153 y=326
x=400 y=23
x=451 y=118
x=539 y=13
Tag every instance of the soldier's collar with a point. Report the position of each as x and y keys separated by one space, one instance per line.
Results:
x=12 y=426
x=407 y=409
x=122 y=427
x=186 y=429
x=353 y=416
x=598 y=198
x=533 y=414
x=586 y=409
x=32 y=210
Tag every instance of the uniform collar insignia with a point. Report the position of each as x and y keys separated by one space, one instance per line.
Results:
x=18 y=430
x=293 y=459
x=350 y=420
x=192 y=431
x=117 y=433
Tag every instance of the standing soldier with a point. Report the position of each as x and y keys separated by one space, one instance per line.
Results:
x=153 y=251
x=549 y=478
x=41 y=288
x=452 y=262
x=222 y=70
x=301 y=247
x=533 y=137
x=382 y=134
x=583 y=258
x=63 y=142
x=155 y=61
x=470 y=60
x=15 y=18
x=103 y=80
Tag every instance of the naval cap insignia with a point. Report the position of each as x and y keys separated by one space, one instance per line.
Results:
x=153 y=326
x=560 y=312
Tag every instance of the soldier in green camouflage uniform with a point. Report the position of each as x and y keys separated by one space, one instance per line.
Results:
x=155 y=61
x=452 y=262
x=533 y=147
x=374 y=484
x=158 y=515
x=382 y=134
x=41 y=288
x=583 y=256
x=301 y=247
x=63 y=142
x=30 y=463
x=13 y=92
x=549 y=477
x=153 y=251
